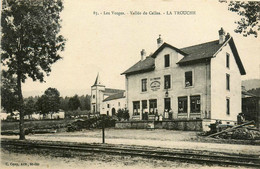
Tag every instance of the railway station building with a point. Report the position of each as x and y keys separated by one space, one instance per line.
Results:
x=197 y=82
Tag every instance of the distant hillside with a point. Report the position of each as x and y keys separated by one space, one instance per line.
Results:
x=251 y=84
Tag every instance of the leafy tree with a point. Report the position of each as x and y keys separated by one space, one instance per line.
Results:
x=30 y=41
x=53 y=99
x=74 y=103
x=250 y=16
x=85 y=102
x=49 y=102
x=42 y=105
x=64 y=103
x=8 y=93
x=122 y=114
x=29 y=106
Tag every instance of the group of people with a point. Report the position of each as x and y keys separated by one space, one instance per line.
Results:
x=168 y=114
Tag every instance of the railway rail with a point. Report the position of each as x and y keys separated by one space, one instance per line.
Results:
x=195 y=157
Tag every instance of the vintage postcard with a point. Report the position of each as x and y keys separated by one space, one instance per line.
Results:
x=130 y=84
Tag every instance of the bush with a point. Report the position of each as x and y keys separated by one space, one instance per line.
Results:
x=122 y=114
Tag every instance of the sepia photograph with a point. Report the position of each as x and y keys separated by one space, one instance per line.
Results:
x=130 y=84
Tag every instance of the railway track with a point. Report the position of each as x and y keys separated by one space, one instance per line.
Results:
x=195 y=157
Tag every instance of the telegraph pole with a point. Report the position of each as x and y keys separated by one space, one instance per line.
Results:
x=103 y=130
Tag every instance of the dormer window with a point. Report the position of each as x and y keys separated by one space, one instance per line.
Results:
x=166 y=60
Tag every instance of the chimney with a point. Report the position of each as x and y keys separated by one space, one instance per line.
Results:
x=159 y=41
x=143 y=54
x=221 y=33
x=227 y=36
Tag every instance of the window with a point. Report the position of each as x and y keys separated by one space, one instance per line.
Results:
x=167 y=81
x=144 y=85
x=195 y=104
x=119 y=104
x=227 y=60
x=166 y=60
x=188 y=79
x=228 y=81
x=153 y=106
x=136 y=107
x=228 y=106
x=108 y=105
x=182 y=105
x=93 y=96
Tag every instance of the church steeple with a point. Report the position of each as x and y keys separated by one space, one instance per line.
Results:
x=97 y=81
x=97 y=95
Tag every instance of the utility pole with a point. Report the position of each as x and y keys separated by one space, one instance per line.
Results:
x=103 y=130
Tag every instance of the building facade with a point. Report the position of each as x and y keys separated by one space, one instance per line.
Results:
x=106 y=100
x=201 y=81
x=113 y=103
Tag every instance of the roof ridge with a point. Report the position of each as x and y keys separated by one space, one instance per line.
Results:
x=199 y=44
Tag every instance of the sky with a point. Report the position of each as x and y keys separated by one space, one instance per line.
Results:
x=110 y=44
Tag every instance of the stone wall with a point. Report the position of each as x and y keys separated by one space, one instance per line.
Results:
x=185 y=125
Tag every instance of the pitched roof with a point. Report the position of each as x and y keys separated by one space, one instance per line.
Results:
x=164 y=45
x=110 y=90
x=191 y=54
x=237 y=58
x=201 y=51
x=148 y=63
x=115 y=96
x=141 y=66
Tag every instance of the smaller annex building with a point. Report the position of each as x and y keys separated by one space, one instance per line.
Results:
x=251 y=107
x=106 y=100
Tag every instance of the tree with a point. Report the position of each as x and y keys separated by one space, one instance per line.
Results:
x=122 y=114
x=49 y=102
x=74 y=103
x=42 y=106
x=53 y=99
x=85 y=102
x=8 y=93
x=30 y=42
x=250 y=16
x=64 y=103
x=29 y=106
